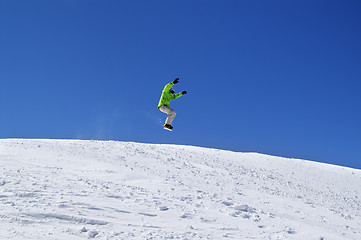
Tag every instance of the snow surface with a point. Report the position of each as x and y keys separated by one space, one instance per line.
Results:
x=73 y=189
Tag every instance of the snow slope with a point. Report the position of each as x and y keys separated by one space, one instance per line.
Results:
x=72 y=189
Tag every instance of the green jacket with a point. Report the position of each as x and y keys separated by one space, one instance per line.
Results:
x=167 y=96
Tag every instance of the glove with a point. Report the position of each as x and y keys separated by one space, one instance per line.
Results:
x=176 y=80
x=184 y=92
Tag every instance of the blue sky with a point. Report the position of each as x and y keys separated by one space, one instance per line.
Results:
x=275 y=77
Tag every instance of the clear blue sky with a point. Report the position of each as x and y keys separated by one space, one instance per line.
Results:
x=276 y=77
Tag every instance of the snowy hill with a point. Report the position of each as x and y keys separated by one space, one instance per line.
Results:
x=72 y=189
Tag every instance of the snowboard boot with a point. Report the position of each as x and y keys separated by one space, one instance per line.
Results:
x=168 y=127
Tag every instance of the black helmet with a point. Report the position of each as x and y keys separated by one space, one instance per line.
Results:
x=171 y=90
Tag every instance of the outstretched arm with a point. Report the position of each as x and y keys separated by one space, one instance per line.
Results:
x=169 y=85
x=179 y=94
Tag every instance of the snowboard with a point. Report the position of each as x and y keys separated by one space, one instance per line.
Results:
x=168 y=129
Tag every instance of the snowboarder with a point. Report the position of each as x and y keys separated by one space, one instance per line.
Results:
x=167 y=96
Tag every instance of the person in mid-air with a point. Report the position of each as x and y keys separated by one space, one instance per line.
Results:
x=167 y=96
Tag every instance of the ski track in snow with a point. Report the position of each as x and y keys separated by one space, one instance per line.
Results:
x=73 y=189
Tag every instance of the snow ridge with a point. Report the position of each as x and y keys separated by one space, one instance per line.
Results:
x=74 y=189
